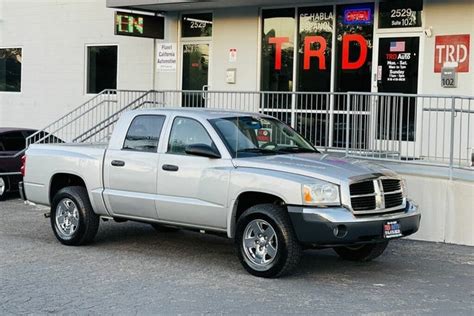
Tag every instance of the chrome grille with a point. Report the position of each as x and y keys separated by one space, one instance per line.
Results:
x=376 y=196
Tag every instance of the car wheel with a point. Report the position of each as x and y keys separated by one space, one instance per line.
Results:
x=365 y=252
x=3 y=187
x=266 y=243
x=164 y=229
x=73 y=220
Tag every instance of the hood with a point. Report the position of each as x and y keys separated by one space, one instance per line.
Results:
x=320 y=166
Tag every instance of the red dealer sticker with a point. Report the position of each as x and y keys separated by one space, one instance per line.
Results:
x=452 y=48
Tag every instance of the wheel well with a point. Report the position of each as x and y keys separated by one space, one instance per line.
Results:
x=62 y=180
x=249 y=199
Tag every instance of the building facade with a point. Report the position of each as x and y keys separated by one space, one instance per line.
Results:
x=57 y=54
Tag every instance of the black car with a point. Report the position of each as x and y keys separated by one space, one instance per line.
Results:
x=12 y=145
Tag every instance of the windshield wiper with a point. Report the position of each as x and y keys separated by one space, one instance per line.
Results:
x=256 y=150
x=295 y=149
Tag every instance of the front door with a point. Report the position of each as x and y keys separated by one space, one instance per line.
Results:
x=195 y=77
x=192 y=190
x=397 y=72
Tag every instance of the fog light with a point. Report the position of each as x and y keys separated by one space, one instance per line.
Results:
x=340 y=231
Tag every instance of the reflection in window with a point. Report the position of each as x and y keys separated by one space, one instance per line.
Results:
x=196 y=25
x=10 y=69
x=101 y=68
x=277 y=49
x=144 y=133
x=186 y=131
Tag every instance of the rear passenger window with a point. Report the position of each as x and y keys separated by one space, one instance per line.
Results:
x=184 y=132
x=13 y=141
x=144 y=133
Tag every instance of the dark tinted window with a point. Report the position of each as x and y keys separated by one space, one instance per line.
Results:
x=278 y=42
x=144 y=133
x=186 y=131
x=13 y=141
x=196 y=25
x=10 y=69
x=101 y=68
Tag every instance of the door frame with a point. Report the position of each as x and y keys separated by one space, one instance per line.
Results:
x=406 y=148
x=193 y=40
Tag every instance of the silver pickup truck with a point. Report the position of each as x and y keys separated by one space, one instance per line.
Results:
x=248 y=176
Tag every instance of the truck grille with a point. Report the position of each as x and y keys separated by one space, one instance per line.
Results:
x=379 y=195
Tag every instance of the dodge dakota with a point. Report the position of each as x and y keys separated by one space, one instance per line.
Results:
x=247 y=176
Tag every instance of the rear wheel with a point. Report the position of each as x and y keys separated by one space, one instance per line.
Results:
x=3 y=188
x=73 y=220
x=365 y=252
x=266 y=243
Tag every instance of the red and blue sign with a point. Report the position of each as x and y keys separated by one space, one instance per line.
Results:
x=358 y=15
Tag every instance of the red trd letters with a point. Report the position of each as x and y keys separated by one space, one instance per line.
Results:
x=346 y=40
x=308 y=52
x=319 y=53
x=278 y=41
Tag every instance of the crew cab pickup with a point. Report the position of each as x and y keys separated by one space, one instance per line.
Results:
x=245 y=175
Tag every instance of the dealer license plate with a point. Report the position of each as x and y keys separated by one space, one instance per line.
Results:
x=392 y=230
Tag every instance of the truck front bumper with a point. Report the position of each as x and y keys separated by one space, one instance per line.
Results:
x=339 y=226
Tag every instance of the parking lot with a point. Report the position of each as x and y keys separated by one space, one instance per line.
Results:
x=132 y=269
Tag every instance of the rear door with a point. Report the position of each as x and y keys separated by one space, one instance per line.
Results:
x=130 y=173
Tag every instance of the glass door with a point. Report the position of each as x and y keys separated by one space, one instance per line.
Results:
x=195 y=78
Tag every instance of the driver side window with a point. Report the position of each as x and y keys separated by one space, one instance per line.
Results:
x=187 y=131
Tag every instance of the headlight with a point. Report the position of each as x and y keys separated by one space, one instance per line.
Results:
x=321 y=194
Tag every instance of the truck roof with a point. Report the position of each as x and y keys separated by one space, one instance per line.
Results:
x=204 y=113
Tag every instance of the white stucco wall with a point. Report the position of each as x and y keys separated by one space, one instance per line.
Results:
x=447 y=208
x=53 y=35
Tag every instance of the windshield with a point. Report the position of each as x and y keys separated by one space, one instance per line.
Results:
x=247 y=136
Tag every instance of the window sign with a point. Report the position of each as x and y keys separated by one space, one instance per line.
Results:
x=277 y=49
x=400 y=13
x=196 y=25
x=139 y=25
x=358 y=15
x=314 y=48
x=10 y=69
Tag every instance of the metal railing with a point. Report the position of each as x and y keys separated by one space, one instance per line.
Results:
x=415 y=129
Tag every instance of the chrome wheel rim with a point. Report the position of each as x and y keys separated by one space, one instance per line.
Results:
x=66 y=218
x=2 y=186
x=260 y=244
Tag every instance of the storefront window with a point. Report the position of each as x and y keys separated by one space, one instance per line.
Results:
x=196 y=25
x=10 y=69
x=277 y=49
x=354 y=43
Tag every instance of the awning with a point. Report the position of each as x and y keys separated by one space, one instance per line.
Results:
x=184 y=5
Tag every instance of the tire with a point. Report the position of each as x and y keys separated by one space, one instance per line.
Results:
x=363 y=253
x=71 y=206
x=164 y=229
x=277 y=251
x=3 y=188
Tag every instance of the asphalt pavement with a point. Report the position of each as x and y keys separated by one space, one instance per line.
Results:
x=132 y=269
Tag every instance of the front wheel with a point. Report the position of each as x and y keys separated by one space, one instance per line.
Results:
x=365 y=252
x=73 y=220
x=266 y=243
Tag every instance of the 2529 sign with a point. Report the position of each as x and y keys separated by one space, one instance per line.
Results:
x=401 y=13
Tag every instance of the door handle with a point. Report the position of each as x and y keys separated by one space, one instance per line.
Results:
x=170 y=168
x=117 y=163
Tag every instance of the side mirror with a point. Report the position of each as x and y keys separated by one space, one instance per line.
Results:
x=202 y=150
